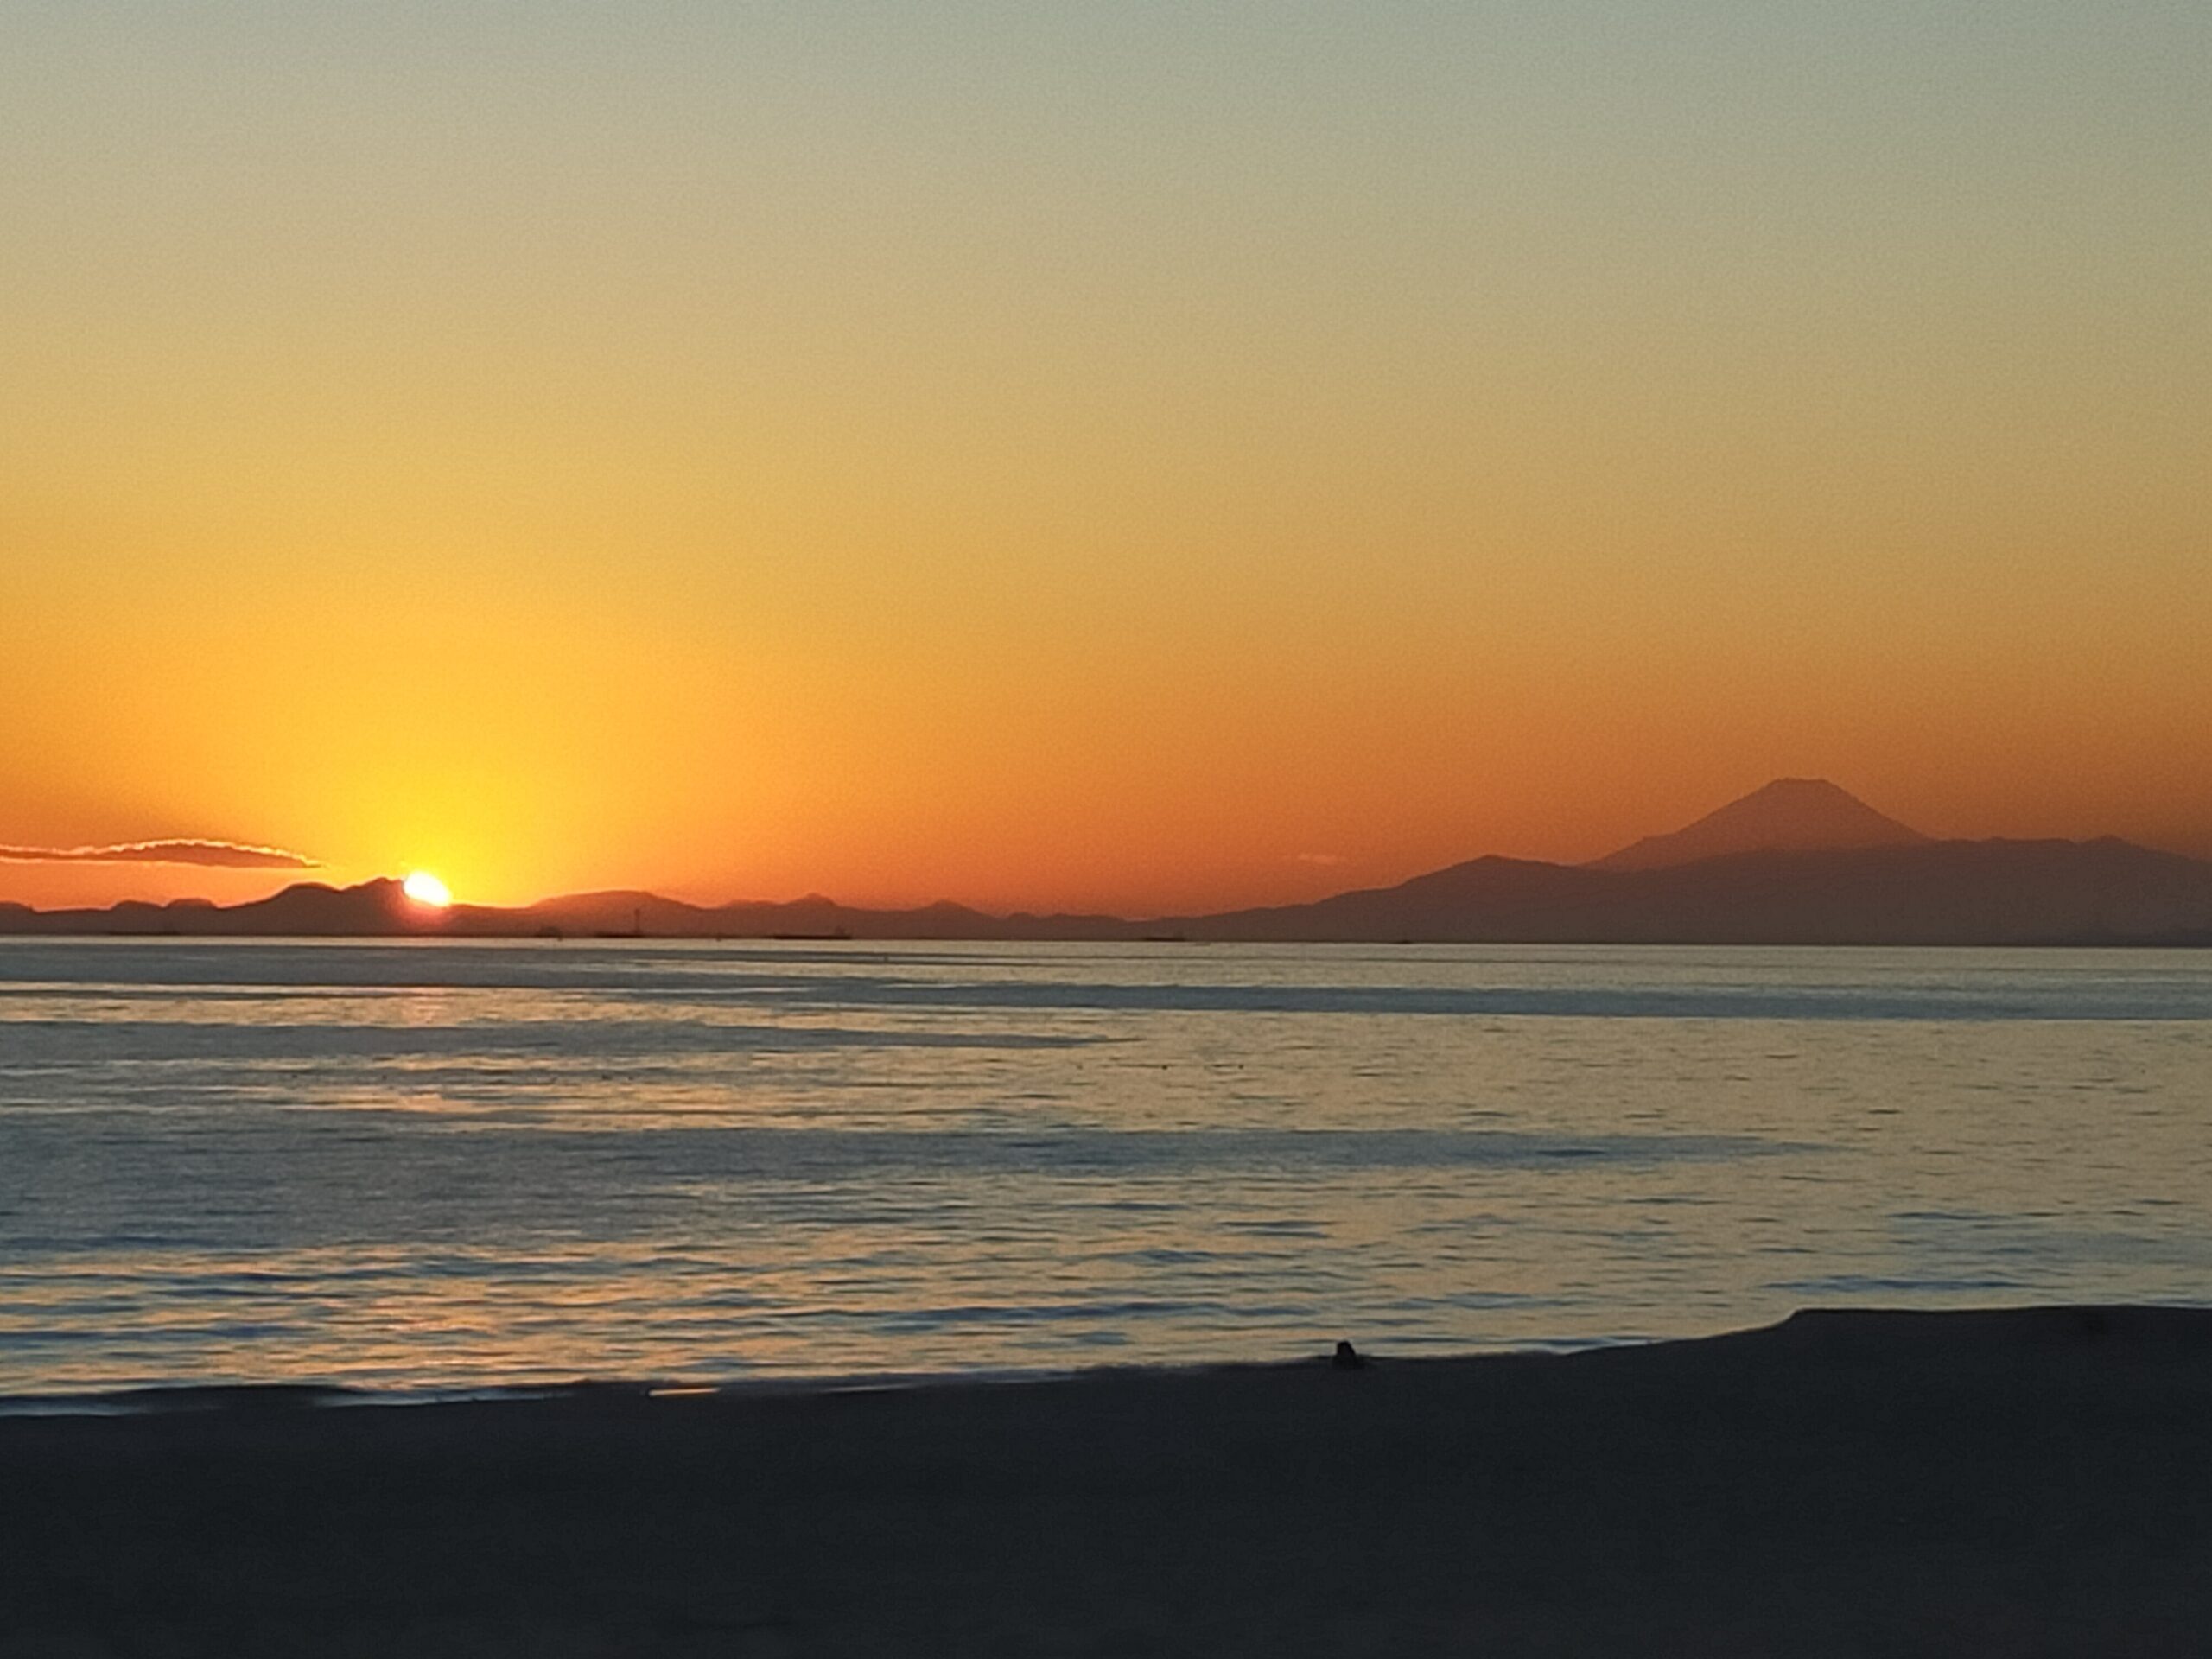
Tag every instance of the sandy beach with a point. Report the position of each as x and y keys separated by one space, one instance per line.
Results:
x=2023 y=1483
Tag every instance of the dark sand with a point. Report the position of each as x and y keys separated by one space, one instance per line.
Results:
x=2003 y=1484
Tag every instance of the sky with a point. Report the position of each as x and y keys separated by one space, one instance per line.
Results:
x=1144 y=457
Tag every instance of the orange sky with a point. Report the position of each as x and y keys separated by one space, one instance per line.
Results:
x=1149 y=464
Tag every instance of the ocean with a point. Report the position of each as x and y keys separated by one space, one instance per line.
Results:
x=433 y=1168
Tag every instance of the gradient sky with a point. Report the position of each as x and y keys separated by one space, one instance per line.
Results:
x=1142 y=456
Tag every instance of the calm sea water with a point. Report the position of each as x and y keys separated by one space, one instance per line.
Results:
x=431 y=1166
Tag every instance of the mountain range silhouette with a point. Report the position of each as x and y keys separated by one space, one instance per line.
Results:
x=1799 y=862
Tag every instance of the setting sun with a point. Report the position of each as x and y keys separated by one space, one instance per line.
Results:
x=426 y=889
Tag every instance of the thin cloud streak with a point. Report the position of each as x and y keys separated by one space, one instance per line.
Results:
x=218 y=854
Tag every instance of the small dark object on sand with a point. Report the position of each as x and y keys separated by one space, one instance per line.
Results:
x=1346 y=1357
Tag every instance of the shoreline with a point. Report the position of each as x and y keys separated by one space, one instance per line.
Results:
x=1833 y=1328
x=2025 y=1480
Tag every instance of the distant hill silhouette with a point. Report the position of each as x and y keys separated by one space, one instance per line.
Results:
x=1799 y=815
x=1931 y=893
x=1798 y=862
x=304 y=910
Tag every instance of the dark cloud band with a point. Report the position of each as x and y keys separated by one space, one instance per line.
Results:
x=221 y=854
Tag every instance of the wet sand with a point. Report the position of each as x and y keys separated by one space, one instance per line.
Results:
x=2023 y=1483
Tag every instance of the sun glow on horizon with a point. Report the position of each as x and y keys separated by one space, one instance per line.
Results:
x=986 y=454
x=426 y=889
